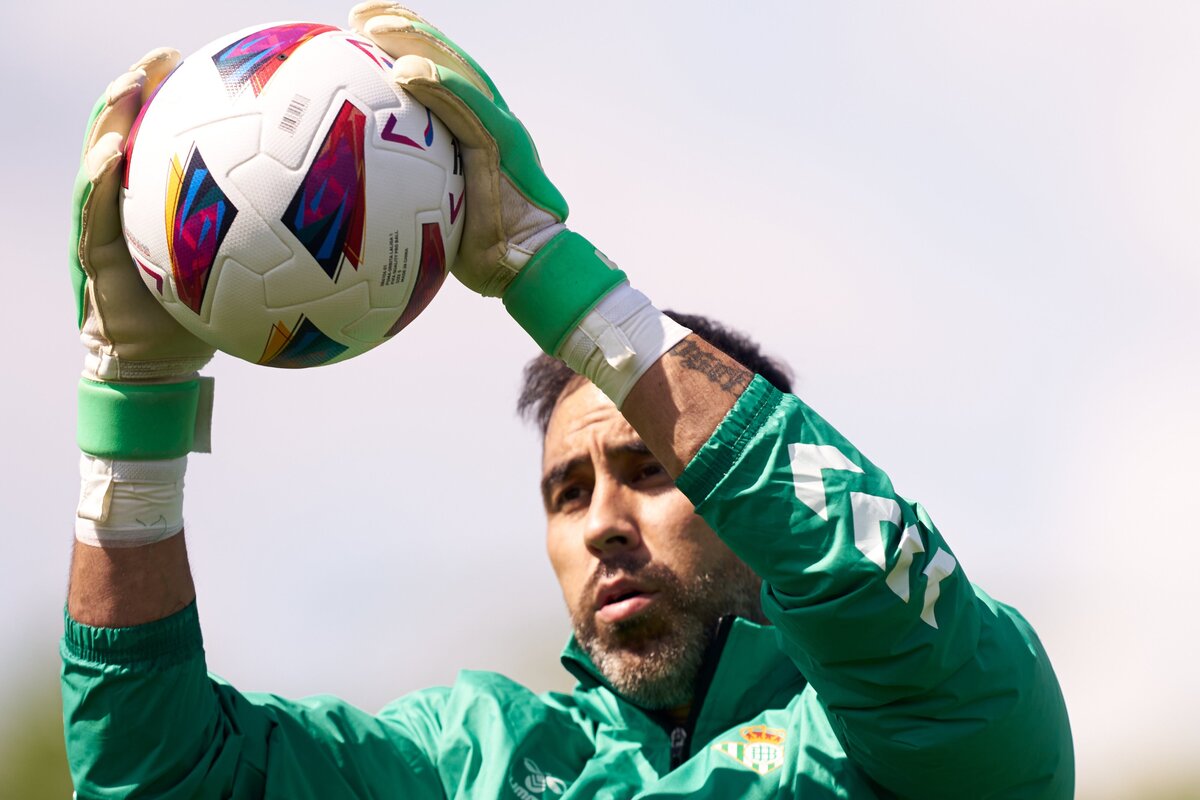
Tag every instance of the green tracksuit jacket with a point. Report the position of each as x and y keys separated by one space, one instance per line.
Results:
x=885 y=674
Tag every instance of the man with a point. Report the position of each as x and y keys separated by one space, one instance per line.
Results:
x=688 y=502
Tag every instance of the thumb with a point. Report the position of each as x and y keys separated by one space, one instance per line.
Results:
x=481 y=125
x=421 y=78
x=413 y=67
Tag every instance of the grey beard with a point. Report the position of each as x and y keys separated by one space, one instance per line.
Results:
x=653 y=660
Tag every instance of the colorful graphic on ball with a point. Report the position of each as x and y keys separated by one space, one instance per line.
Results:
x=370 y=51
x=389 y=133
x=431 y=272
x=253 y=216
x=253 y=59
x=302 y=345
x=198 y=217
x=152 y=273
x=327 y=212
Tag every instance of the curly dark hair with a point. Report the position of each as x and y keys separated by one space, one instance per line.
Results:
x=546 y=378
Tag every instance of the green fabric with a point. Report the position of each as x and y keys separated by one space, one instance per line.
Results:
x=79 y=197
x=563 y=281
x=883 y=672
x=891 y=707
x=137 y=422
x=166 y=642
x=519 y=158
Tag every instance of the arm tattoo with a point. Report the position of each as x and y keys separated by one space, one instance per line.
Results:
x=729 y=376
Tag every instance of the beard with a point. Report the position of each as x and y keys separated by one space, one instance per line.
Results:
x=654 y=658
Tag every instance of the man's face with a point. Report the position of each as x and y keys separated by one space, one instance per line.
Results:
x=644 y=577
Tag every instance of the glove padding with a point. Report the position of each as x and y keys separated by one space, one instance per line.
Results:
x=129 y=336
x=512 y=207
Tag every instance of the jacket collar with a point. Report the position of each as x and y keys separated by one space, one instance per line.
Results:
x=752 y=674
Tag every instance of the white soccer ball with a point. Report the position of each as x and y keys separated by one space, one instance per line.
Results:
x=285 y=202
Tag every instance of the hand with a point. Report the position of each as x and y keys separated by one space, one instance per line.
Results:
x=514 y=243
x=129 y=336
x=139 y=397
x=513 y=207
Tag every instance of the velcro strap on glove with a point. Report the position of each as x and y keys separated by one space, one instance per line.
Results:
x=559 y=286
x=141 y=422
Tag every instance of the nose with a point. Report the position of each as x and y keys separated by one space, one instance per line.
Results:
x=612 y=524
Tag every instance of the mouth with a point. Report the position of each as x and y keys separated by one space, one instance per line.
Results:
x=622 y=600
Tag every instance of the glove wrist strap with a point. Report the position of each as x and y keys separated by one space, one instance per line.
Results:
x=561 y=284
x=142 y=422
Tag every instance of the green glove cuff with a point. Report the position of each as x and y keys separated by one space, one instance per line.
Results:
x=563 y=281
x=138 y=422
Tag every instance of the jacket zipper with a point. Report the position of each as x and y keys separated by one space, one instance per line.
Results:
x=681 y=735
x=679 y=741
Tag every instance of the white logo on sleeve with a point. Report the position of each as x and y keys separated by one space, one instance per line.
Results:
x=868 y=513
x=807 y=462
x=536 y=782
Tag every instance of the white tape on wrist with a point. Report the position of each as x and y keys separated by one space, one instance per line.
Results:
x=129 y=503
x=619 y=340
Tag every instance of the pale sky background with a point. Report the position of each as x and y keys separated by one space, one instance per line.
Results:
x=971 y=228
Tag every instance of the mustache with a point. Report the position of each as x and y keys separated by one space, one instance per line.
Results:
x=633 y=567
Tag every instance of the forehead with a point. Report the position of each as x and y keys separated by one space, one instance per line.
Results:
x=583 y=417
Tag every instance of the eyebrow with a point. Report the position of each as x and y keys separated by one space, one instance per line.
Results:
x=559 y=472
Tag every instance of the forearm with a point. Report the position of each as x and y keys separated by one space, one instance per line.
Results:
x=129 y=566
x=680 y=400
x=123 y=587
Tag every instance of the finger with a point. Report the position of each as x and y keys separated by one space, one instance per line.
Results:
x=420 y=77
x=363 y=12
x=476 y=73
x=400 y=31
x=103 y=156
x=156 y=65
x=124 y=97
x=102 y=218
x=398 y=37
x=478 y=122
x=123 y=100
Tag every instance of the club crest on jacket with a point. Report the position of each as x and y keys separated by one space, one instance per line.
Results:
x=761 y=750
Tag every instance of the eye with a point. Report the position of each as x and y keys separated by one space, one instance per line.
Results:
x=649 y=471
x=568 y=496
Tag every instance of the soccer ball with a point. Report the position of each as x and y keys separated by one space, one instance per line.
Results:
x=285 y=202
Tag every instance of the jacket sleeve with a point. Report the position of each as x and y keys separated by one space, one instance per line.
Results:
x=143 y=718
x=934 y=689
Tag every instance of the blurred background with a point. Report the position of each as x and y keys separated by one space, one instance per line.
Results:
x=970 y=228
